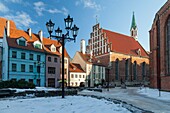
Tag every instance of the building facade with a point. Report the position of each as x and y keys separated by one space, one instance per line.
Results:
x=95 y=71
x=23 y=57
x=30 y=57
x=77 y=75
x=123 y=55
x=160 y=49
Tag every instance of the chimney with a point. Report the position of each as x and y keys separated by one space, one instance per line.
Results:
x=8 y=27
x=82 y=46
x=40 y=33
x=29 y=32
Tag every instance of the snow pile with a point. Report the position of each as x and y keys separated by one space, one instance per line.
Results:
x=70 y=104
x=154 y=93
x=36 y=89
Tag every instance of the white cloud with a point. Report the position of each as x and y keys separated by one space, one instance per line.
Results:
x=39 y=7
x=21 y=19
x=15 y=1
x=54 y=11
x=89 y=4
x=65 y=11
x=3 y=8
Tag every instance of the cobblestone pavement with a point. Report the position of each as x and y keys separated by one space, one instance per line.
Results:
x=131 y=96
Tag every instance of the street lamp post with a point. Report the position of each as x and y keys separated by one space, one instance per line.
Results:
x=62 y=38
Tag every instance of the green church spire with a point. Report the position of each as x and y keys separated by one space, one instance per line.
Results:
x=134 y=26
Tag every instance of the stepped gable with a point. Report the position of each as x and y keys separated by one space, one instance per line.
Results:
x=124 y=44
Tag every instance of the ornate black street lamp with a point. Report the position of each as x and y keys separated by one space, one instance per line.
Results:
x=62 y=38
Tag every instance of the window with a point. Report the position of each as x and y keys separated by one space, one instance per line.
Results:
x=55 y=59
x=49 y=59
x=22 y=55
x=38 y=57
x=79 y=76
x=53 y=49
x=30 y=68
x=51 y=70
x=38 y=46
x=38 y=69
x=65 y=61
x=65 y=71
x=30 y=80
x=22 y=67
x=22 y=42
x=134 y=70
x=76 y=76
x=117 y=69
x=14 y=67
x=14 y=54
x=31 y=57
x=83 y=76
x=126 y=69
x=167 y=46
x=72 y=76
x=143 y=70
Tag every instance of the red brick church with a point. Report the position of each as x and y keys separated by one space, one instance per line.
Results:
x=126 y=60
x=160 y=49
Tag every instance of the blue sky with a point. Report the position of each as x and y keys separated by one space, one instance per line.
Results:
x=114 y=15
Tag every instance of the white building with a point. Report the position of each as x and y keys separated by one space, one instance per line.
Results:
x=77 y=75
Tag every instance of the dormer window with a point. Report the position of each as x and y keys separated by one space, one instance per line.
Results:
x=53 y=48
x=22 y=41
x=139 y=52
x=37 y=45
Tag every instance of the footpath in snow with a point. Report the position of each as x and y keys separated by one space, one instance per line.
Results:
x=144 y=98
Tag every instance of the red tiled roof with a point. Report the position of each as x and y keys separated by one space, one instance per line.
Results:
x=86 y=57
x=3 y=25
x=124 y=44
x=16 y=33
x=94 y=61
x=75 y=68
x=12 y=42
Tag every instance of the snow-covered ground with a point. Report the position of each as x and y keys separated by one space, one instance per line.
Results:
x=154 y=93
x=70 y=104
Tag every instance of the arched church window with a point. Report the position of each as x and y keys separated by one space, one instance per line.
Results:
x=143 y=70
x=117 y=69
x=134 y=70
x=126 y=69
x=168 y=46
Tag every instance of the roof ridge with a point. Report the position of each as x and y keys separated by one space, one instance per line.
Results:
x=118 y=33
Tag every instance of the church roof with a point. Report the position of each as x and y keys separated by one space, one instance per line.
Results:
x=90 y=59
x=124 y=44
